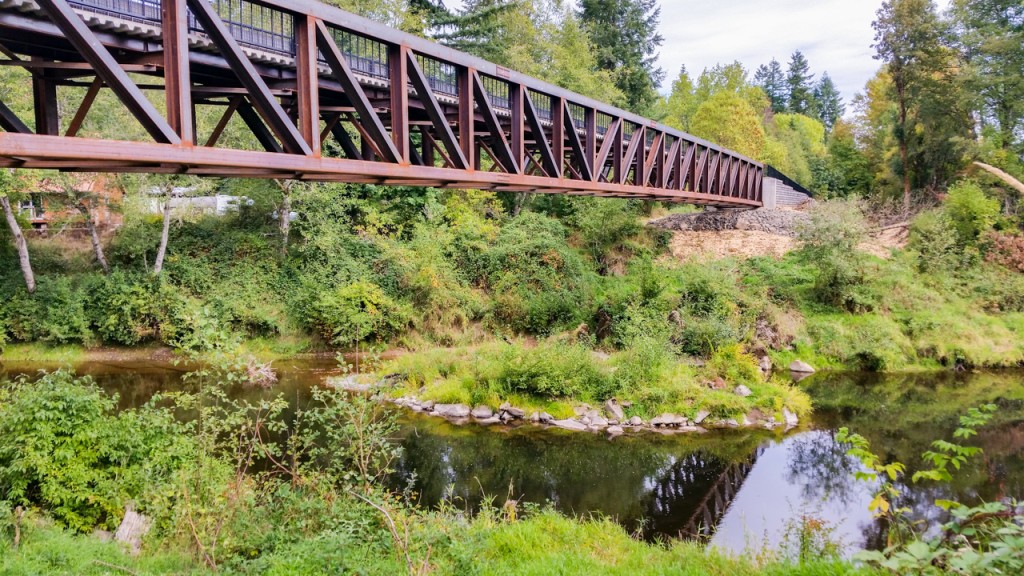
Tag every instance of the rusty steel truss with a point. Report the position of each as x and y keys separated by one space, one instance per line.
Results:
x=325 y=95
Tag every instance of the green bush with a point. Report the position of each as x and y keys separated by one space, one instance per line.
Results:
x=358 y=312
x=123 y=308
x=187 y=324
x=830 y=238
x=934 y=239
x=64 y=447
x=553 y=371
x=970 y=211
x=538 y=282
x=63 y=318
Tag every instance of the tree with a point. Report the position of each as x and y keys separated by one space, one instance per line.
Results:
x=10 y=184
x=728 y=120
x=991 y=33
x=772 y=80
x=908 y=38
x=798 y=80
x=830 y=103
x=485 y=28
x=679 y=102
x=625 y=36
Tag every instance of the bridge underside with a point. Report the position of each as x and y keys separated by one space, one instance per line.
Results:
x=295 y=89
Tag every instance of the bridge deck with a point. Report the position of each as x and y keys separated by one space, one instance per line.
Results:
x=326 y=95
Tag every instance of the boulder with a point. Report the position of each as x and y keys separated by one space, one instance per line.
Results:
x=481 y=412
x=800 y=367
x=546 y=418
x=614 y=410
x=765 y=363
x=569 y=424
x=489 y=421
x=742 y=391
x=701 y=416
x=790 y=418
x=731 y=423
x=598 y=421
x=515 y=412
x=614 y=430
x=636 y=421
x=535 y=417
x=452 y=410
x=428 y=405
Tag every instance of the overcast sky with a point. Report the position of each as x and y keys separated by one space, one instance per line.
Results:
x=835 y=35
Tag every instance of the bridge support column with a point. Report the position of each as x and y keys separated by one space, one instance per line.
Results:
x=769 y=193
x=44 y=96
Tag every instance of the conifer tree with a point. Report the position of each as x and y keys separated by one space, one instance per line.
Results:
x=772 y=80
x=798 y=80
x=829 y=101
x=625 y=35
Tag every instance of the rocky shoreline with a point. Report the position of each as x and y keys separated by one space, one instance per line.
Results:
x=610 y=418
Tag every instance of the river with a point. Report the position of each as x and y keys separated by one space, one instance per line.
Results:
x=735 y=489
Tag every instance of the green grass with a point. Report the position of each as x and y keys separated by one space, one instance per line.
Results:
x=544 y=544
x=553 y=377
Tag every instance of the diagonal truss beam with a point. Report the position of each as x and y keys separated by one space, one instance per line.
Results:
x=505 y=156
x=576 y=144
x=610 y=137
x=437 y=117
x=107 y=68
x=10 y=122
x=343 y=74
x=547 y=157
x=262 y=98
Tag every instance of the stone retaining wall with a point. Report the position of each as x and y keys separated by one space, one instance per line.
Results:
x=772 y=221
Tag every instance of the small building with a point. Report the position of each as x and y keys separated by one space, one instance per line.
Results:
x=47 y=205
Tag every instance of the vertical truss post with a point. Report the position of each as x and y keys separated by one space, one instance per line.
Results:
x=44 y=98
x=467 y=116
x=515 y=100
x=307 y=81
x=558 y=134
x=590 y=139
x=617 y=149
x=177 y=77
x=399 y=74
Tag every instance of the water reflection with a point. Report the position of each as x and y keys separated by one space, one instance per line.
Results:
x=735 y=489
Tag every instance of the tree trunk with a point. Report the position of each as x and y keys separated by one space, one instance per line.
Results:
x=519 y=201
x=158 y=265
x=284 y=220
x=904 y=153
x=97 y=246
x=20 y=244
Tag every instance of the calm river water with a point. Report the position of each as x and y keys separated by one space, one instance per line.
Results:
x=733 y=488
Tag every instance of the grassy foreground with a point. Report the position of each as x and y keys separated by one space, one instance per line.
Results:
x=544 y=544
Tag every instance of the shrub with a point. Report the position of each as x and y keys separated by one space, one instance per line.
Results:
x=538 y=281
x=357 y=312
x=970 y=211
x=702 y=336
x=553 y=371
x=123 y=308
x=187 y=324
x=934 y=239
x=1006 y=249
x=66 y=449
x=62 y=317
x=830 y=238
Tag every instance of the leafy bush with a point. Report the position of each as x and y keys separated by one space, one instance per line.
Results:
x=186 y=324
x=970 y=211
x=123 y=308
x=935 y=241
x=553 y=371
x=64 y=447
x=358 y=312
x=538 y=282
x=830 y=238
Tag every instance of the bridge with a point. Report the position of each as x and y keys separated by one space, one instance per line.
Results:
x=329 y=96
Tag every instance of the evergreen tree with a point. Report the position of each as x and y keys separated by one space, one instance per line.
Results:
x=481 y=28
x=625 y=35
x=830 y=102
x=798 y=80
x=772 y=80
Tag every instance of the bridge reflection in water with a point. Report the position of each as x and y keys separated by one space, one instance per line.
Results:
x=308 y=91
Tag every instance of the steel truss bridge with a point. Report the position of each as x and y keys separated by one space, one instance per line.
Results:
x=330 y=96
